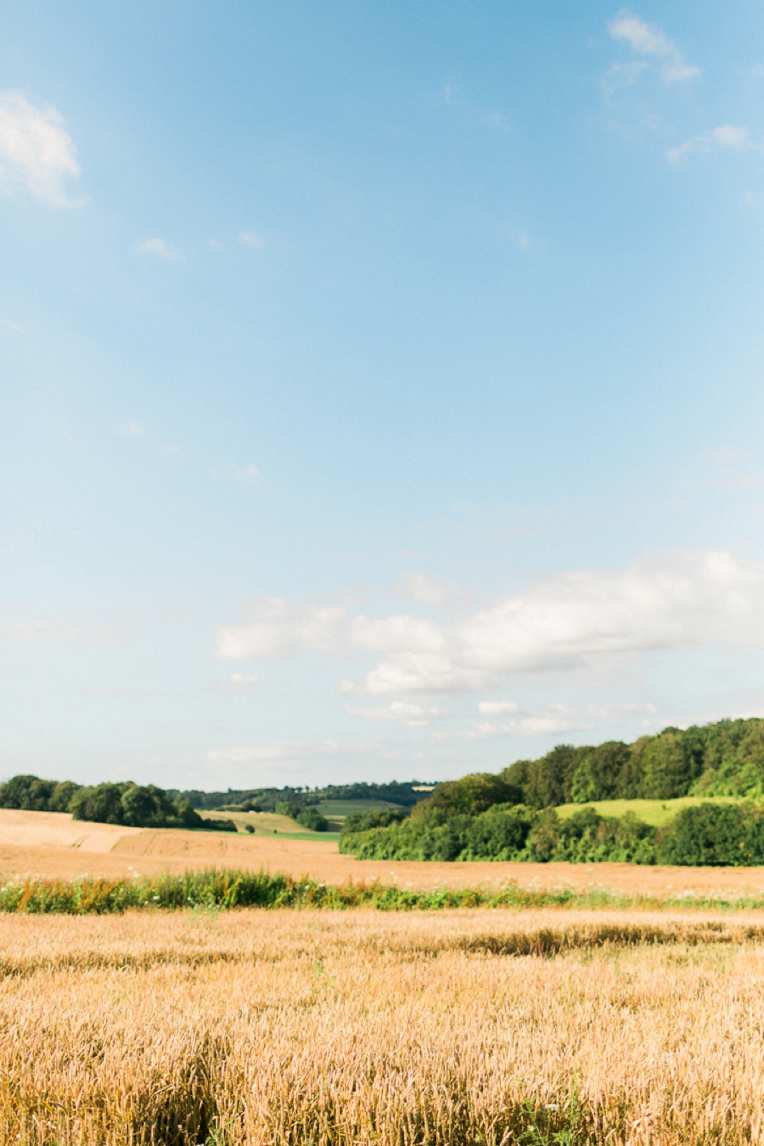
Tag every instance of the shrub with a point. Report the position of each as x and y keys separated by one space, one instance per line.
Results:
x=499 y=834
x=714 y=834
x=27 y=793
x=286 y=809
x=312 y=819
x=469 y=796
x=61 y=796
x=138 y=806
x=376 y=818
x=101 y=804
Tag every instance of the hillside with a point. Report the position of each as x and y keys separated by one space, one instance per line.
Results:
x=401 y=794
x=593 y=803
x=722 y=759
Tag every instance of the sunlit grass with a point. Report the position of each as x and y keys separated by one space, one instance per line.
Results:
x=655 y=812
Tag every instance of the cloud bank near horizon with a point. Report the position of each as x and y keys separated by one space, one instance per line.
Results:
x=677 y=601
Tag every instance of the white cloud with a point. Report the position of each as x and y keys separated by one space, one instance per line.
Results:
x=650 y=40
x=674 y=602
x=726 y=135
x=552 y=719
x=278 y=629
x=239 y=682
x=676 y=72
x=421 y=587
x=158 y=247
x=36 y=150
x=132 y=428
x=401 y=712
x=247 y=473
x=251 y=240
x=729 y=136
x=497 y=707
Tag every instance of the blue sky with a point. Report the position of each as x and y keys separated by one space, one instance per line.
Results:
x=380 y=385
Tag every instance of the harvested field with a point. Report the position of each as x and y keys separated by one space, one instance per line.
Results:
x=247 y=1028
x=51 y=844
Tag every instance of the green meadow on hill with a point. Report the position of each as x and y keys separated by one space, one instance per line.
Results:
x=653 y=812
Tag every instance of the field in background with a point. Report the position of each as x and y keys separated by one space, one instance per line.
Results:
x=655 y=812
x=270 y=824
x=339 y=809
x=266 y=824
x=204 y=1027
x=52 y=844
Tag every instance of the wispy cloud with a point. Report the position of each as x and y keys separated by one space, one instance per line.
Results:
x=621 y=76
x=650 y=40
x=421 y=587
x=401 y=712
x=249 y=239
x=239 y=682
x=567 y=621
x=244 y=474
x=131 y=428
x=727 y=135
x=158 y=247
x=36 y=151
x=551 y=719
x=274 y=751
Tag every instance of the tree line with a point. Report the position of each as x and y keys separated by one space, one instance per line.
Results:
x=401 y=793
x=706 y=834
x=511 y=816
x=127 y=803
x=721 y=759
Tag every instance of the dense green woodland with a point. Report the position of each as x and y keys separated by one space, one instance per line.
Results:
x=511 y=815
x=723 y=759
x=134 y=805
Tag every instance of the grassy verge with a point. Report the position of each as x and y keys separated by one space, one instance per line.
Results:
x=223 y=889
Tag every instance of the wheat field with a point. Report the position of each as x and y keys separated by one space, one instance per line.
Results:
x=461 y=1028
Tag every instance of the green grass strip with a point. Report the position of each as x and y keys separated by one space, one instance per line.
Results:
x=221 y=889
